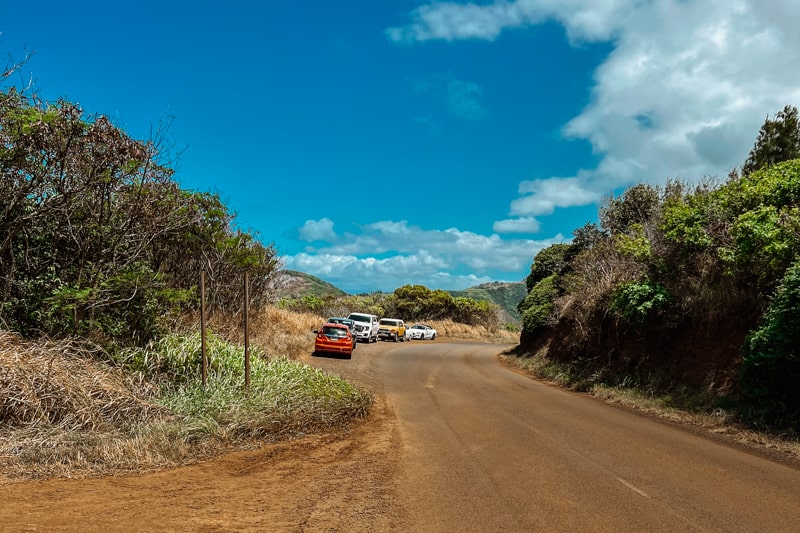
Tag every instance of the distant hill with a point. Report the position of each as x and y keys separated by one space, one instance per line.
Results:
x=505 y=294
x=294 y=284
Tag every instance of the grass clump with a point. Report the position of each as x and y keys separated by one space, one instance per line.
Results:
x=285 y=398
x=68 y=410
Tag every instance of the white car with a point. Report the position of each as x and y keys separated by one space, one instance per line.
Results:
x=421 y=332
x=366 y=326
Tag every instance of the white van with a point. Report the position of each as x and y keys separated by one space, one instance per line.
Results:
x=366 y=326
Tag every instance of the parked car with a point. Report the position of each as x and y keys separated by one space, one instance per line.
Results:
x=391 y=329
x=347 y=322
x=421 y=332
x=366 y=326
x=334 y=338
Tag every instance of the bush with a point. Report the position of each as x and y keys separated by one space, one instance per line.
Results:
x=635 y=300
x=771 y=363
x=537 y=307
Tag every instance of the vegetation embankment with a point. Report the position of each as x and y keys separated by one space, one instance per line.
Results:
x=688 y=293
x=70 y=408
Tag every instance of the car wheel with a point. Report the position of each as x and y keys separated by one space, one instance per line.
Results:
x=433 y=337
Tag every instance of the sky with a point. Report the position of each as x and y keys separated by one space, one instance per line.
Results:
x=383 y=143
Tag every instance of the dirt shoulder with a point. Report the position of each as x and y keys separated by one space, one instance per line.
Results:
x=338 y=481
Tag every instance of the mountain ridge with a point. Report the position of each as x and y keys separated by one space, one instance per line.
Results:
x=506 y=294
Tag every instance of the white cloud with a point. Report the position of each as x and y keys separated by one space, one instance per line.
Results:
x=517 y=225
x=349 y=272
x=681 y=95
x=541 y=197
x=317 y=230
x=583 y=19
x=391 y=254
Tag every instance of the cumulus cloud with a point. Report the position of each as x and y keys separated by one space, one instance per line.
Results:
x=681 y=95
x=517 y=225
x=447 y=259
x=583 y=19
x=317 y=230
x=541 y=197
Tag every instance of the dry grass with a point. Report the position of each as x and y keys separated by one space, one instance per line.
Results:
x=455 y=330
x=64 y=385
x=278 y=331
x=65 y=412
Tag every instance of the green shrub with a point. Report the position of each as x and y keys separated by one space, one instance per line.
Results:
x=770 y=384
x=537 y=307
x=633 y=244
x=635 y=300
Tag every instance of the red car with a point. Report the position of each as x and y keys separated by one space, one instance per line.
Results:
x=334 y=338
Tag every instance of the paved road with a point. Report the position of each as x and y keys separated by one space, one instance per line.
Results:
x=456 y=443
x=486 y=449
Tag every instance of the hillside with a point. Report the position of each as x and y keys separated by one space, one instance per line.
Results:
x=505 y=294
x=681 y=289
x=294 y=284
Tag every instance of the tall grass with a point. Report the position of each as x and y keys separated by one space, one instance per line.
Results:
x=69 y=409
x=456 y=330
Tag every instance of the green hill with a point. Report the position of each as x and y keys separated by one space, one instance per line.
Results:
x=294 y=284
x=505 y=294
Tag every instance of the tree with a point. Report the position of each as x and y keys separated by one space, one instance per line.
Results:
x=638 y=205
x=95 y=235
x=549 y=261
x=778 y=140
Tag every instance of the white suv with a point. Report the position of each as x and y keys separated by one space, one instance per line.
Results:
x=366 y=326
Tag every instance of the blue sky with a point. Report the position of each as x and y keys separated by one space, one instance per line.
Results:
x=379 y=144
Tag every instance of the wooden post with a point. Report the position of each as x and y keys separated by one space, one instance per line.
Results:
x=203 y=326
x=246 y=332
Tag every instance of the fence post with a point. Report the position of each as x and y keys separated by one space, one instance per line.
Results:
x=246 y=332
x=203 y=326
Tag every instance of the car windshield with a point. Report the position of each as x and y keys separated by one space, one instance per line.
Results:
x=360 y=318
x=417 y=327
x=385 y=322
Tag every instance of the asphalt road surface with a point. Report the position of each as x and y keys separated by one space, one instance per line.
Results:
x=457 y=442
x=486 y=449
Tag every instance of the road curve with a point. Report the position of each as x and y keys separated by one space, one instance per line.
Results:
x=486 y=449
x=455 y=442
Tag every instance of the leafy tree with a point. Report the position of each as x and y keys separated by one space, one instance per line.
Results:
x=96 y=238
x=638 y=205
x=549 y=261
x=537 y=307
x=778 y=140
